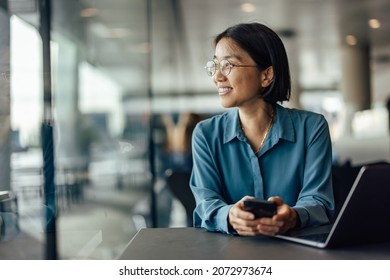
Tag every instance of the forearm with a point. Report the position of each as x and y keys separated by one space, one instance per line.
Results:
x=311 y=214
x=213 y=216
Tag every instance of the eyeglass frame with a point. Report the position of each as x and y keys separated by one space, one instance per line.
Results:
x=220 y=67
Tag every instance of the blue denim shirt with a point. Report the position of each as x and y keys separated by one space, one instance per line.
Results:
x=294 y=164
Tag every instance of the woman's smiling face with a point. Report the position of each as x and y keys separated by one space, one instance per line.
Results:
x=244 y=84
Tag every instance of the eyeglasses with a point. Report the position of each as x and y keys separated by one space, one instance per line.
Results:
x=225 y=67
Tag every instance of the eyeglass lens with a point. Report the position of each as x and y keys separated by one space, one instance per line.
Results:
x=211 y=68
x=224 y=67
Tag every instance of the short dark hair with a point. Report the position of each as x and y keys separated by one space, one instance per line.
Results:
x=266 y=48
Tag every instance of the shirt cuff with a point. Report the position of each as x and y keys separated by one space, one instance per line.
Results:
x=223 y=220
x=303 y=216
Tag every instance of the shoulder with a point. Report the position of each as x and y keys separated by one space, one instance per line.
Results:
x=213 y=123
x=304 y=117
x=218 y=129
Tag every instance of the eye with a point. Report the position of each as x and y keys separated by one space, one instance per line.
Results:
x=225 y=67
x=225 y=64
x=210 y=67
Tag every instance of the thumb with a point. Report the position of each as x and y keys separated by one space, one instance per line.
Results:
x=277 y=200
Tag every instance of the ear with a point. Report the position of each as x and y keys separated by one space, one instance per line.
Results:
x=267 y=76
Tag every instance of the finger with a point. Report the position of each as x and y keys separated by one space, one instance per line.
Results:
x=245 y=223
x=268 y=229
x=247 y=197
x=277 y=200
x=283 y=214
x=238 y=212
x=246 y=231
x=270 y=226
x=245 y=215
x=271 y=221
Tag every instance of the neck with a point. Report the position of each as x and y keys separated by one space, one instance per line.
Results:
x=256 y=120
x=257 y=126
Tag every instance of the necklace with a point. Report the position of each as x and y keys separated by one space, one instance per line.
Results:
x=266 y=132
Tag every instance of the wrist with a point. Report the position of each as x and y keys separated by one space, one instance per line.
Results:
x=297 y=220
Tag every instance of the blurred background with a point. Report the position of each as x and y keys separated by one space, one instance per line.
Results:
x=122 y=83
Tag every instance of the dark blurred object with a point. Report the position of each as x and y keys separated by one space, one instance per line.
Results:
x=178 y=154
x=9 y=216
x=16 y=146
x=179 y=184
x=343 y=178
x=49 y=191
x=177 y=163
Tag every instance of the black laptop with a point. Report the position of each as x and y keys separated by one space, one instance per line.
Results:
x=363 y=218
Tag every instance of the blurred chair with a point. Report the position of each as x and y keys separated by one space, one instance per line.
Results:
x=179 y=184
x=343 y=178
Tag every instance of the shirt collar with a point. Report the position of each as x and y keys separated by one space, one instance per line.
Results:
x=232 y=128
x=282 y=129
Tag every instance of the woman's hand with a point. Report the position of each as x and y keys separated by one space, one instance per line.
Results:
x=242 y=221
x=246 y=224
x=285 y=219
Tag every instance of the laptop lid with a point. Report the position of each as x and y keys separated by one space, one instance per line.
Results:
x=362 y=219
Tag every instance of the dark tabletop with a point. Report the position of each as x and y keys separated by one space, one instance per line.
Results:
x=198 y=244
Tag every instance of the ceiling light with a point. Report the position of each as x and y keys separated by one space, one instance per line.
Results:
x=248 y=7
x=351 y=40
x=374 y=23
x=88 y=12
x=143 y=48
x=115 y=33
x=109 y=33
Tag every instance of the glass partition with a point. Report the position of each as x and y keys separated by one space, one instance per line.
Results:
x=103 y=128
x=102 y=163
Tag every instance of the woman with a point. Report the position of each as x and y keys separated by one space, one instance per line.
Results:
x=259 y=148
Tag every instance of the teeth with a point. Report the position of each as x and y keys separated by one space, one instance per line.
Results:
x=225 y=89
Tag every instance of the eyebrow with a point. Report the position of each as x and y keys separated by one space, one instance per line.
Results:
x=230 y=56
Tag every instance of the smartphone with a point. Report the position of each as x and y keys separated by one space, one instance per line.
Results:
x=261 y=208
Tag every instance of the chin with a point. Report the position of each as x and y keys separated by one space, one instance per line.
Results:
x=226 y=104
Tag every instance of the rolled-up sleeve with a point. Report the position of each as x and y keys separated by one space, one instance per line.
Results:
x=315 y=205
x=211 y=210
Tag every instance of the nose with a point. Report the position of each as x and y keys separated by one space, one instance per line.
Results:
x=218 y=76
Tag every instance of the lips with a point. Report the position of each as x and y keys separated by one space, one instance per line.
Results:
x=224 y=90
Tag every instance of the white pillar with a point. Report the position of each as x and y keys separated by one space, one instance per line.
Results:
x=356 y=82
x=296 y=90
x=68 y=122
